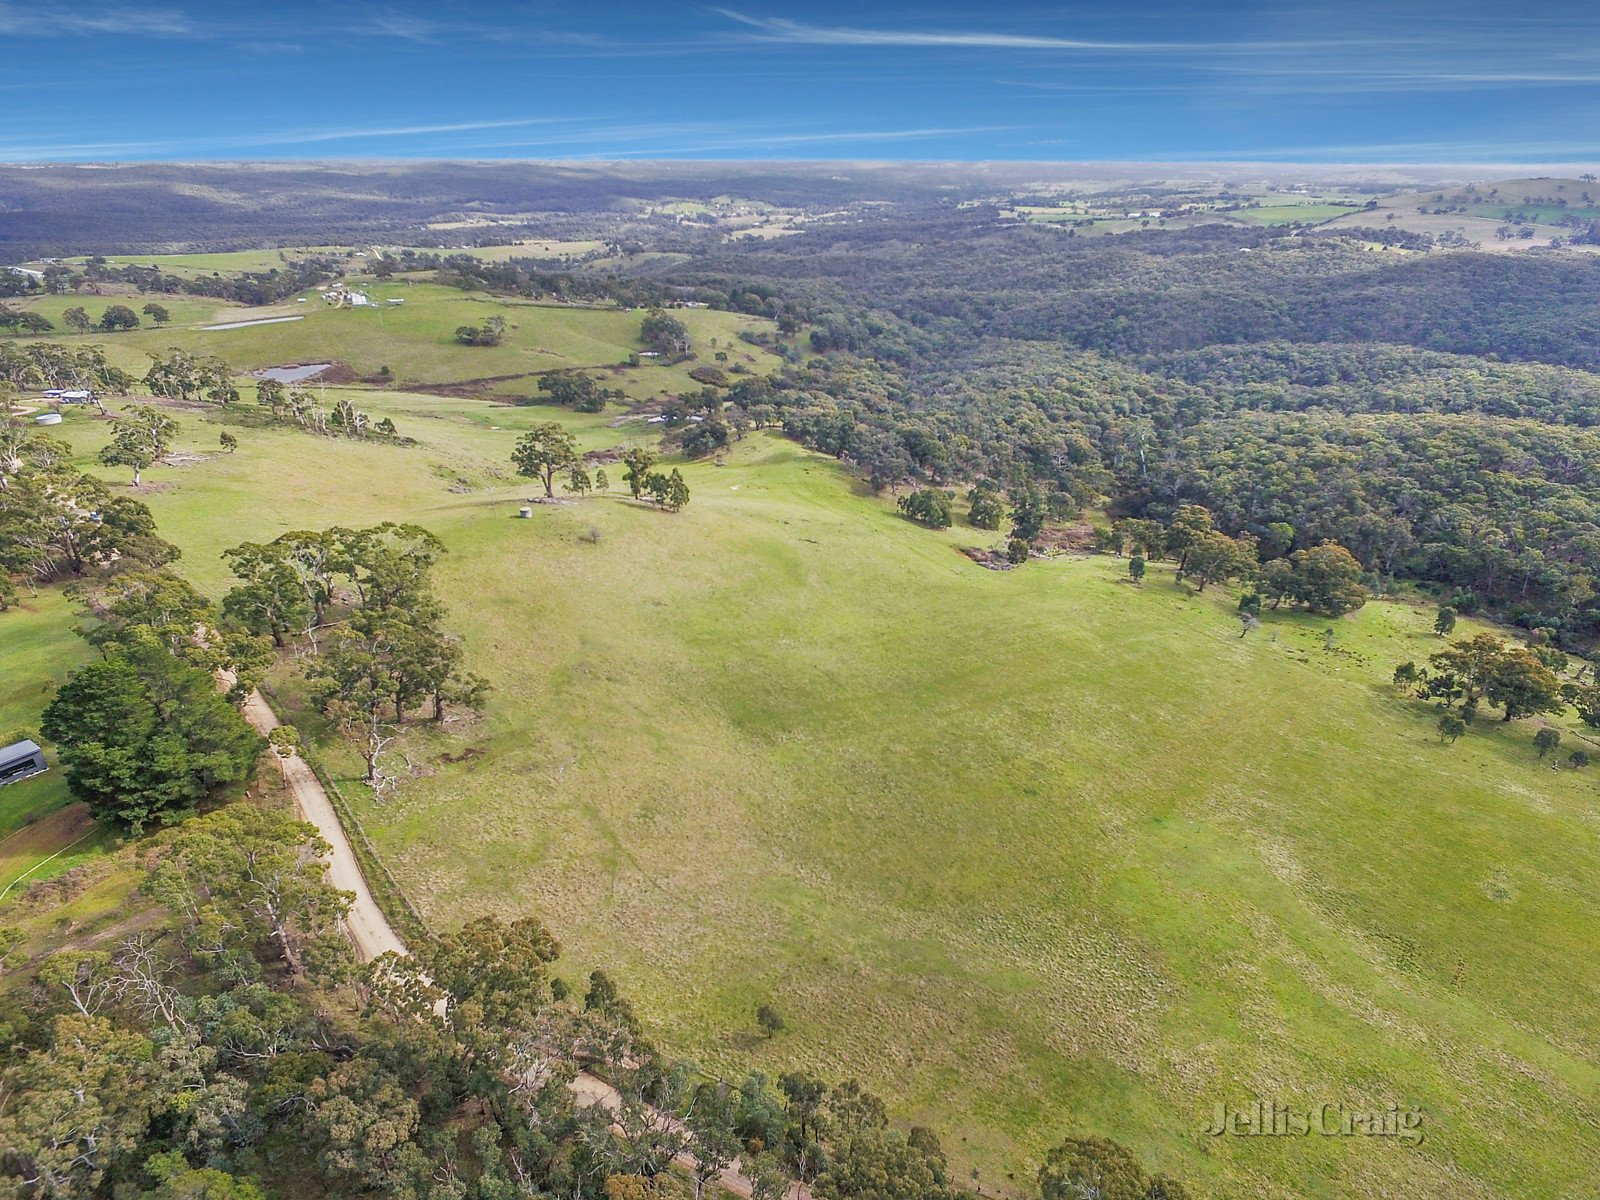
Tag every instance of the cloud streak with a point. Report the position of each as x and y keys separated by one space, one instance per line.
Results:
x=236 y=144
x=784 y=30
x=587 y=140
x=91 y=20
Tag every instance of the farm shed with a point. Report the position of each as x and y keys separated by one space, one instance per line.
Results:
x=20 y=761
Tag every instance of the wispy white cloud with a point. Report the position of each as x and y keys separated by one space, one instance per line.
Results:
x=783 y=29
x=586 y=139
x=403 y=26
x=356 y=133
x=58 y=20
x=633 y=140
x=1440 y=151
x=1361 y=56
x=40 y=151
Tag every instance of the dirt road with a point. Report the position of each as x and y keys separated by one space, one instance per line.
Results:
x=370 y=930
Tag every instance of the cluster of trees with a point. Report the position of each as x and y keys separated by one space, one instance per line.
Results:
x=141 y=437
x=927 y=506
x=361 y=603
x=180 y=375
x=1524 y=681
x=54 y=365
x=57 y=522
x=298 y=407
x=244 y=1045
x=491 y=332
x=666 y=335
x=536 y=279
x=244 y=287
x=577 y=391
x=1324 y=579
x=24 y=321
x=114 y=319
x=143 y=735
x=547 y=452
x=667 y=489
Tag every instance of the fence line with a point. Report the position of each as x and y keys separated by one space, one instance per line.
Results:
x=372 y=865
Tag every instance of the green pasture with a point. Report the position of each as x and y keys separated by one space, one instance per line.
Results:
x=1539 y=214
x=37 y=651
x=225 y=262
x=1031 y=853
x=416 y=340
x=539 y=248
x=38 y=648
x=184 y=310
x=1289 y=214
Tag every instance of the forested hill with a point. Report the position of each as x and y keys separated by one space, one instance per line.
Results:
x=1433 y=413
x=963 y=275
x=65 y=209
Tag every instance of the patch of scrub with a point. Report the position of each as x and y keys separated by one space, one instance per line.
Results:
x=288 y=374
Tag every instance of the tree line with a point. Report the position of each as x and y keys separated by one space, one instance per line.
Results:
x=240 y=1047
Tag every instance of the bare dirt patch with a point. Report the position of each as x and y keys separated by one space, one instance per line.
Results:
x=1067 y=539
x=31 y=845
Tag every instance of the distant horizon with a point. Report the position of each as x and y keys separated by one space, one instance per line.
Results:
x=1414 y=82
x=1529 y=169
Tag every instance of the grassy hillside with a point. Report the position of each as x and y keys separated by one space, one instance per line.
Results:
x=1032 y=853
x=38 y=649
x=1476 y=212
x=416 y=340
x=225 y=261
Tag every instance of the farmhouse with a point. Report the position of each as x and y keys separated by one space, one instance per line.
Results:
x=21 y=760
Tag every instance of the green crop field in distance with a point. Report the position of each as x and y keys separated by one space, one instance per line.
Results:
x=225 y=262
x=1290 y=214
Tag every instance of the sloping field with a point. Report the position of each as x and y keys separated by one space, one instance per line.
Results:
x=416 y=339
x=1547 y=206
x=1032 y=853
x=38 y=649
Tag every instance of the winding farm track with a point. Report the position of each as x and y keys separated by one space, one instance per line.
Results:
x=368 y=928
x=372 y=935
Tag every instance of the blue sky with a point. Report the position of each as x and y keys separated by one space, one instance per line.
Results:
x=1365 y=81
